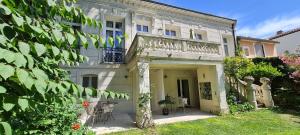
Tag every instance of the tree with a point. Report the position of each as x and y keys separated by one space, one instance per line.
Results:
x=35 y=39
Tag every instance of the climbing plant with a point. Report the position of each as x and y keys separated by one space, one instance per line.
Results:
x=37 y=96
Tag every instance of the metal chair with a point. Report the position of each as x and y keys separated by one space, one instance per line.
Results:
x=182 y=102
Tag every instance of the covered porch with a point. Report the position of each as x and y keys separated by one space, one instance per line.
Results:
x=124 y=121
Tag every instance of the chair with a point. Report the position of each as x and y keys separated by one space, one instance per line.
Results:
x=182 y=102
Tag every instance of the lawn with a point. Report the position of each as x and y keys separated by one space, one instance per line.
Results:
x=250 y=123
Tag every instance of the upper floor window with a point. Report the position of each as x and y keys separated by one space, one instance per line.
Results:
x=259 y=50
x=90 y=81
x=225 y=43
x=114 y=29
x=198 y=36
x=246 y=50
x=142 y=28
x=170 y=33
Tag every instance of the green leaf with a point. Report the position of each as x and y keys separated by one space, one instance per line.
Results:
x=39 y=48
x=20 y=60
x=39 y=74
x=23 y=103
x=6 y=71
x=36 y=29
x=18 y=20
x=51 y=3
x=40 y=87
x=71 y=38
x=88 y=91
x=9 y=56
x=8 y=106
x=111 y=41
x=25 y=78
x=2 y=89
x=83 y=40
x=65 y=54
x=24 y=48
x=55 y=50
x=7 y=128
x=30 y=61
x=4 y=10
x=57 y=35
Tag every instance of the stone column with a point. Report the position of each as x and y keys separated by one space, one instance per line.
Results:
x=160 y=84
x=143 y=107
x=221 y=92
x=266 y=90
x=250 y=91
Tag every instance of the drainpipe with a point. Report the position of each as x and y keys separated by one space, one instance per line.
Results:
x=234 y=38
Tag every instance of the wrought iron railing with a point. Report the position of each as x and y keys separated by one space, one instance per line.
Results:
x=113 y=55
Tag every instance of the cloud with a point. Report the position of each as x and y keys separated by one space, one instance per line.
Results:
x=270 y=26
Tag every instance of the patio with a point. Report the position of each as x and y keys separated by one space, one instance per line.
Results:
x=123 y=122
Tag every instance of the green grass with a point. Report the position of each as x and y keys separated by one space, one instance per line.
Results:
x=262 y=122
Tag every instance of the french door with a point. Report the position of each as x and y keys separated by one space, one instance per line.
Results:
x=183 y=89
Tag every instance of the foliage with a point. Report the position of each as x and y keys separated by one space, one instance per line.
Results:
x=236 y=106
x=144 y=99
x=259 y=70
x=35 y=39
x=166 y=101
x=294 y=63
x=249 y=123
x=232 y=65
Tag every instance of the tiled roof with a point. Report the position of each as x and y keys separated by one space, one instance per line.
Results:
x=256 y=39
x=285 y=33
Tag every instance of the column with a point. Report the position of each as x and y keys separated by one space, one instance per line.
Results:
x=160 y=84
x=221 y=92
x=143 y=107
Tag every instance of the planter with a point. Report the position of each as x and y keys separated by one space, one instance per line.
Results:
x=165 y=111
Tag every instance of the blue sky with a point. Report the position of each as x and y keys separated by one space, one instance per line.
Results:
x=256 y=18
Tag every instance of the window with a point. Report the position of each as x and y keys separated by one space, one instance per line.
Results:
x=90 y=81
x=246 y=50
x=198 y=36
x=142 y=28
x=225 y=43
x=114 y=29
x=259 y=50
x=205 y=90
x=170 y=33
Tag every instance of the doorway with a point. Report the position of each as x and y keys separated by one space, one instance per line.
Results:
x=183 y=89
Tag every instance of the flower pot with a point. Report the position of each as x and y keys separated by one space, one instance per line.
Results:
x=165 y=111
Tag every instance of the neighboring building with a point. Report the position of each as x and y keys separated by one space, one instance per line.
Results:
x=169 y=51
x=255 y=47
x=289 y=41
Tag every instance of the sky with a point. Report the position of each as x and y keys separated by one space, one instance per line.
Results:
x=255 y=18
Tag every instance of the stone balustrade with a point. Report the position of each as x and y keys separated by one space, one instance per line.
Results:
x=172 y=47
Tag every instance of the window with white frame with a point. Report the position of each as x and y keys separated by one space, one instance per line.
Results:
x=90 y=81
x=259 y=50
x=171 y=33
x=246 y=50
x=114 y=29
x=225 y=43
x=142 y=28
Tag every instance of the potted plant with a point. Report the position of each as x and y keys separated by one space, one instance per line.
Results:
x=164 y=104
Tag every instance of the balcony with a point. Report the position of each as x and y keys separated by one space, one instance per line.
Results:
x=113 y=55
x=153 y=46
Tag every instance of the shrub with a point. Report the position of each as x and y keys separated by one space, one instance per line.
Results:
x=259 y=70
x=236 y=106
x=233 y=65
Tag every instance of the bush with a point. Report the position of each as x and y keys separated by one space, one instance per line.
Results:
x=236 y=106
x=233 y=65
x=259 y=70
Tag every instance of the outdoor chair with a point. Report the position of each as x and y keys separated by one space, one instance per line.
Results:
x=182 y=102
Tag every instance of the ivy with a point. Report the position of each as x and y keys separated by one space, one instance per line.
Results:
x=36 y=37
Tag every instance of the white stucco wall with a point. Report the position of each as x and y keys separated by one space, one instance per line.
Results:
x=290 y=43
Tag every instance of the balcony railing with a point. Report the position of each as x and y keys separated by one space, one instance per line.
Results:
x=161 y=46
x=113 y=55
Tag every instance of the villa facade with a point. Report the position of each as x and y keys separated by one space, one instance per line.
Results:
x=168 y=50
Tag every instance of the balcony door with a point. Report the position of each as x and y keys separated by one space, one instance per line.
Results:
x=183 y=89
x=114 y=51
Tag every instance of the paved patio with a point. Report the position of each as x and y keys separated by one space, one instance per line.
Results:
x=123 y=122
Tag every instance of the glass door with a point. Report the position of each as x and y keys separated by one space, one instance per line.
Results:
x=183 y=89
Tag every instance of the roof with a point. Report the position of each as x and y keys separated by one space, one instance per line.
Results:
x=256 y=39
x=163 y=4
x=285 y=33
